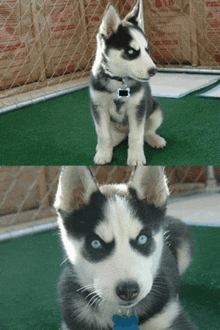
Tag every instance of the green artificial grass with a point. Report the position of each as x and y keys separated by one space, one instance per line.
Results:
x=30 y=268
x=60 y=131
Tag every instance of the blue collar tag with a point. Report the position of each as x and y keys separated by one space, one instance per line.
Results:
x=123 y=92
x=125 y=322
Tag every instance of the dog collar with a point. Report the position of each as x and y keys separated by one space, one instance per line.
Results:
x=116 y=78
x=121 y=91
x=120 y=79
x=111 y=76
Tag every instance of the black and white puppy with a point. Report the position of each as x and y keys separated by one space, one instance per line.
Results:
x=121 y=100
x=124 y=255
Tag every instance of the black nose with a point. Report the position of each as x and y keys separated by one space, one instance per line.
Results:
x=152 y=72
x=127 y=291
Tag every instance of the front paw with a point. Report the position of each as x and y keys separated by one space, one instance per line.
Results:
x=103 y=156
x=155 y=141
x=136 y=157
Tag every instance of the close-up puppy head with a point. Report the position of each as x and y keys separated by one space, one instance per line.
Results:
x=123 y=45
x=113 y=234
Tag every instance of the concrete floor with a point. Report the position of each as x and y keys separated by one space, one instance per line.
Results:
x=201 y=209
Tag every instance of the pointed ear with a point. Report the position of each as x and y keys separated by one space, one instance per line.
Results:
x=134 y=16
x=75 y=187
x=150 y=184
x=110 y=21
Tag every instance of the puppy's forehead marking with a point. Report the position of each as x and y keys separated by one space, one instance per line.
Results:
x=134 y=45
x=138 y=39
x=119 y=221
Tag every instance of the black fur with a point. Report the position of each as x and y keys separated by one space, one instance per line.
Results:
x=118 y=103
x=83 y=221
x=119 y=40
x=95 y=111
x=97 y=255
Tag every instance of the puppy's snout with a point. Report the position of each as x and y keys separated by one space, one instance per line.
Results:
x=127 y=291
x=152 y=72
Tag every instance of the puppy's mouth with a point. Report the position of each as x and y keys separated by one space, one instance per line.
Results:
x=127 y=304
x=140 y=79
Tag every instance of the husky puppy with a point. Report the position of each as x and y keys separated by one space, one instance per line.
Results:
x=121 y=101
x=124 y=255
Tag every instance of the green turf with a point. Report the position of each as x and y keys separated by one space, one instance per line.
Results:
x=30 y=269
x=61 y=131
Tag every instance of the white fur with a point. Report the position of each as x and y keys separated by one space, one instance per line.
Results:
x=184 y=257
x=72 y=247
x=164 y=319
x=150 y=183
x=71 y=179
x=64 y=326
x=152 y=124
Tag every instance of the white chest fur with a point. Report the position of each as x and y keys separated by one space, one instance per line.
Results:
x=117 y=108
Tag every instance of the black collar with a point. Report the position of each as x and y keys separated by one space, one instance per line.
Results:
x=110 y=76
x=116 y=78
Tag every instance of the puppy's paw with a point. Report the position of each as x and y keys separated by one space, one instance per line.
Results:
x=155 y=141
x=103 y=157
x=136 y=158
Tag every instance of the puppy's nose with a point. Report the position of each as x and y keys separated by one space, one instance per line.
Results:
x=152 y=72
x=127 y=291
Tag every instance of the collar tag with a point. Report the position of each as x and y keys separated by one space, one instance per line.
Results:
x=123 y=92
x=125 y=322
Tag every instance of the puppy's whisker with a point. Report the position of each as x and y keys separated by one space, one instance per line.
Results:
x=84 y=288
x=64 y=261
x=103 y=300
x=93 y=300
x=96 y=292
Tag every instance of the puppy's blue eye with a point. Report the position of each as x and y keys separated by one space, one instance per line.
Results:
x=142 y=240
x=96 y=244
x=131 y=51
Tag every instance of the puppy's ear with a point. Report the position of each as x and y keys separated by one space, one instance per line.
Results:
x=110 y=21
x=150 y=184
x=75 y=187
x=134 y=16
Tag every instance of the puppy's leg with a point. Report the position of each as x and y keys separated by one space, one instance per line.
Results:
x=180 y=242
x=118 y=133
x=136 y=140
x=153 y=122
x=104 y=148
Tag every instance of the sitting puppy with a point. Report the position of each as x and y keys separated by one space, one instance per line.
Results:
x=121 y=101
x=124 y=255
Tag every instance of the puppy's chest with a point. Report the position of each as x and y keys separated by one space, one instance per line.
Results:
x=119 y=107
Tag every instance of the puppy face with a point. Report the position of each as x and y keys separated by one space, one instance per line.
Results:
x=127 y=54
x=114 y=240
x=124 y=47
